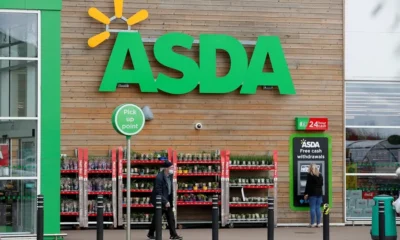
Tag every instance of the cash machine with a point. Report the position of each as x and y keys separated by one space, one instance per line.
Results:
x=308 y=147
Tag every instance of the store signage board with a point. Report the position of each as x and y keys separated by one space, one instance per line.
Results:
x=247 y=76
x=128 y=119
x=306 y=149
x=311 y=124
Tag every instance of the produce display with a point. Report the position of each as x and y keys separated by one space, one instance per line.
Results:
x=248 y=194
x=142 y=217
x=69 y=163
x=69 y=206
x=213 y=156
x=199 y=169
x=141 y=185
x=190 y=197
x=99 y=185
x=108 y=207
x=83 y=179
x=198 y=186
x=143 y=171
x=98 y=181
x=99 y=163
x=260 y=217
x=242 y=195
x=69 y=188
x=160 y=156
x=252 y=160
x=198 y=178
x=69 y=184
x=144 y=168
x=249 y=199
x=138 y=200
x=242 y=181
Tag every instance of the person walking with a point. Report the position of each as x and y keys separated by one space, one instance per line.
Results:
x=163 y=187
x=313 y=193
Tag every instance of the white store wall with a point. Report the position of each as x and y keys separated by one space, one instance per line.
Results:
x=372 y=40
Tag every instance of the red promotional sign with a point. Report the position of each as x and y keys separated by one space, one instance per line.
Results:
x=4 y=155
x=275 y=157
x=114 y=163
x=175 y=163
x=85 y=163
x=223 y=173
x=368 y=195
x=227 y=162
x=80 y=162
x=317 y=124
x=311 y=124
x=120 y=162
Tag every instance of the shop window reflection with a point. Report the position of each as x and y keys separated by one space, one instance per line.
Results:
x=18 y=148
x=17 y=206
x=375 y=150
x=360 y=191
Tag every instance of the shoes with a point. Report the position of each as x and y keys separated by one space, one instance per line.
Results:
x=177 y=237
x=319 y=225
x=313 y=225
x=151 y=237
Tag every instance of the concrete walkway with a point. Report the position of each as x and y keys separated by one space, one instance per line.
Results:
x=281 y=233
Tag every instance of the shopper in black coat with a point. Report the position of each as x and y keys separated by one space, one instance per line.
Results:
x=313 y=193
x=163 y=186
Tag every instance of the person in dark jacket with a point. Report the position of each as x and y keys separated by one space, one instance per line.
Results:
x=313 y=193
x=163 y=187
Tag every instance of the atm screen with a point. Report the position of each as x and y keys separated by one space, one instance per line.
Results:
x=302 y=175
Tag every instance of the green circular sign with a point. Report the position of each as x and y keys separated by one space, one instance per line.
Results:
x=128 y=119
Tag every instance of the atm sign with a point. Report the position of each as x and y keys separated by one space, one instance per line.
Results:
x=311 y=124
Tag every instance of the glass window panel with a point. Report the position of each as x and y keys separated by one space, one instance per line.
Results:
x=361 y=189
x=18 y=153
x=372 y=104
x=372 y=150
x=18 y=88
x=18 y=34
x=17 y=206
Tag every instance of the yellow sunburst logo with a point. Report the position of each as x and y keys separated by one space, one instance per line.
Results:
x=101 y=17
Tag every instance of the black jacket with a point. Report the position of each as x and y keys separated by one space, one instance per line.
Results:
x=314 y=185
x=161 y=188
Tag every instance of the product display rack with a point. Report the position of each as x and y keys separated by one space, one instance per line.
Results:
x=100 y=179
x=95 y=176
x=196 y=179
x=144 y=169
x=252 y=176
x=70 y=189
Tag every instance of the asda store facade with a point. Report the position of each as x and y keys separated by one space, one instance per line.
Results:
x=249 y=111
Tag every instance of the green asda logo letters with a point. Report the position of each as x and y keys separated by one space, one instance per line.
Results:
x=244 y=74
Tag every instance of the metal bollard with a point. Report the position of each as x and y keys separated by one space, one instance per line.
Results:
x=381 y=220
x=215 y=217
x=158 y=218
x=100 y=218
x=271 y=227
x=40 y=218
x=325 y=226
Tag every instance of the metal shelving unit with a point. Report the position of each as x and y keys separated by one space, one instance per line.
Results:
x=71 y=185
x=254 y=206
x=144 y=206
x=182 y=176
x=86 y=193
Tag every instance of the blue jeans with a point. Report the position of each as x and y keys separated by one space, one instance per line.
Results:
x=315 y=208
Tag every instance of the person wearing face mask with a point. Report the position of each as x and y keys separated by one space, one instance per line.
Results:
x=163 y=187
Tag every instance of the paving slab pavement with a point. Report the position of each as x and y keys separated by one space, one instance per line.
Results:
x=281 y=233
